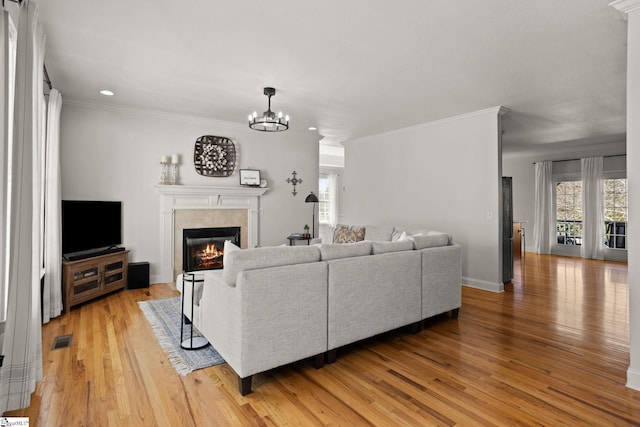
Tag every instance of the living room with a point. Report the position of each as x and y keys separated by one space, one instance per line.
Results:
x=416 y=160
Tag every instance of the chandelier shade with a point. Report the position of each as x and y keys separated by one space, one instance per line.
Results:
x=269 y=121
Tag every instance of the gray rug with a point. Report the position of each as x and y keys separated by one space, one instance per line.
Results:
x=164 y=316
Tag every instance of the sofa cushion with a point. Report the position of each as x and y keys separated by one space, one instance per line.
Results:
x=377 y=233
x=384 y=247
x=335 y=251
x=438 y=233
x=229 y=247
x=251 y=259
x=430 y=240
x=348 y=234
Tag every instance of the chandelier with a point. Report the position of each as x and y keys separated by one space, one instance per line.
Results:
x=269 y=122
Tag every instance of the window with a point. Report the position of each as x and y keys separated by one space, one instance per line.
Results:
x=569 y=212
x=615 y=213
x=328 y=201
x=324 y=196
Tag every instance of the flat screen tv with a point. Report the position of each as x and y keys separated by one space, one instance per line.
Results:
x=90 y=225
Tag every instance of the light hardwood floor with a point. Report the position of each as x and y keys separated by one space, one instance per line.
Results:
x=551 y=350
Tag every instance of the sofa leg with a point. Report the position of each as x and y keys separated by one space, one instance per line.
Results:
x=415 y=327
x=186 y=319
x=244 y=385
x=455 y=312
x=332 y=355
x=318 y=360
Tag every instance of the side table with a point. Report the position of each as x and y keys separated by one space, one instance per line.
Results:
x=293 y=237
x=191 y=343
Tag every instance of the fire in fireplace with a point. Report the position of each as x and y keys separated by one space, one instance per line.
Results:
x=203 y=248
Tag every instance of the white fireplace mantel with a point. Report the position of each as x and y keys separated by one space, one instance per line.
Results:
x=176 y=197
x=182 y=190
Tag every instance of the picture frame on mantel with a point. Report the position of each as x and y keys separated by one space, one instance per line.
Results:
x=250 y=177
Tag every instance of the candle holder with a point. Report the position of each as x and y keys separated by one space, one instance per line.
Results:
x=164 y=179
x=174 y=174
x=175 y=160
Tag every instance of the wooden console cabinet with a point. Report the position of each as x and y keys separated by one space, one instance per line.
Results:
x=90 y=278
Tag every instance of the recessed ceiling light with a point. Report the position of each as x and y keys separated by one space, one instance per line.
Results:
x=106 y=92
x=313 y=128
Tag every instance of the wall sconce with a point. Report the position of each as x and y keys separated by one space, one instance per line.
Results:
x=294 y=181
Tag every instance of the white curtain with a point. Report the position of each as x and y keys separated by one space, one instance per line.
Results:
x=543 y=228
x=52 y=293
x=8 y=45
x=592 y=208
x=22 y=348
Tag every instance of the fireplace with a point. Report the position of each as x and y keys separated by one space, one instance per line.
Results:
x=194 y=206
x=203 y=248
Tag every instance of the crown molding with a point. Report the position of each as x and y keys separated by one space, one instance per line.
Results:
x=626 y=6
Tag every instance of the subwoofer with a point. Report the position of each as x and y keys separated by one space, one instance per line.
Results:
x=138 y=275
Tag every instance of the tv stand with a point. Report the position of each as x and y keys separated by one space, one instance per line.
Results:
x=89 y=278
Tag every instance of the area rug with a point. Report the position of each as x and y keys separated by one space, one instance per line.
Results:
x=164 y=315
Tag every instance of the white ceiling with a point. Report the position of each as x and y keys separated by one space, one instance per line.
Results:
x=352 y=68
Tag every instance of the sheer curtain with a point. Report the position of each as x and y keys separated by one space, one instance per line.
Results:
x=22 y=366
x=592 y=208
x=52 y=292
x=544 y=212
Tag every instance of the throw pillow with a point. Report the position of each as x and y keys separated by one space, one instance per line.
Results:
x=346 y=235
x=397 y=232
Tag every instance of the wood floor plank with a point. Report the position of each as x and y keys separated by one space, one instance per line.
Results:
x=551 y=350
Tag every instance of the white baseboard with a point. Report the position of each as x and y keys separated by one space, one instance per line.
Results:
x=156 y=278
x=633 y=379
x=483 y=284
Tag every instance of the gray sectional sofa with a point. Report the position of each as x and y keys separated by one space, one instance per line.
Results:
x=275 y=305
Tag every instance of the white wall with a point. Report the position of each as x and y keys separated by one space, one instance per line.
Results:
x=444 y=175
x=111 y=154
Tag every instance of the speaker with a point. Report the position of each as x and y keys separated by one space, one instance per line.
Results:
x=138 y=275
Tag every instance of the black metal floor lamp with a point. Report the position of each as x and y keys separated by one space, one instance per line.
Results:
x=312 y=198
